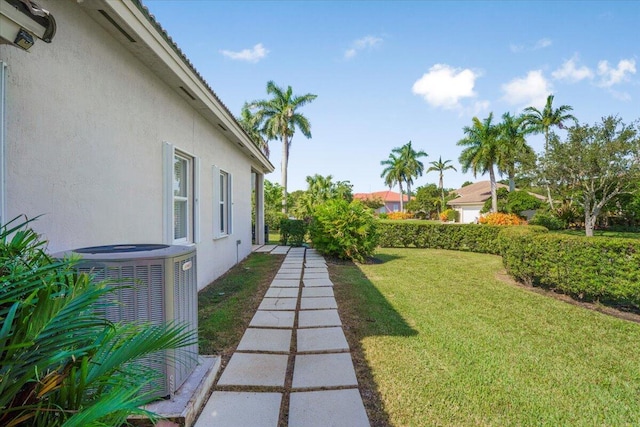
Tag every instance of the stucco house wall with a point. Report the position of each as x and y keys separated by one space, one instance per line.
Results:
x=86 y=124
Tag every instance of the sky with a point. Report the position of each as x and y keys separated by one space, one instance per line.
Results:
x=386 y=73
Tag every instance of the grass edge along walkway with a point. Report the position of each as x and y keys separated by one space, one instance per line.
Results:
x=448 y=343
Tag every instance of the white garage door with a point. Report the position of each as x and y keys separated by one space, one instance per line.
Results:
x=470 y=215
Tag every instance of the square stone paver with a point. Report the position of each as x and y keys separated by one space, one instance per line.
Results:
x=273 y=319
x=315 y=269
x=266 y=248
x=317 y=292
x=287 y=276
x=282 y=292
x=255 y=339
x=324 y=370
x=318 y=303
x=255 y=370
x=285 y=283
x=314 y=276
x=315 y=264
x=280 y=250
x=290 y=270
x=232 y=409
x=316 y=282
x=327 y=408
x=315 y=318
x=321 y=339
x=278 y=304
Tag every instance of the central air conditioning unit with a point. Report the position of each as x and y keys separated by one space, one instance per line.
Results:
x=153 y=284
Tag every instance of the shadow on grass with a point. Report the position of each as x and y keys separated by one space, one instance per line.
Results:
x=366 y=312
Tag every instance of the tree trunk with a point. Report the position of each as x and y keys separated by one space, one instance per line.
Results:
x=409 y=191
x=512 y=182
x=589 y=223
x=546 y=183
x=283 y=170
x=401 y=198
x=494 y=190
x=441 y=185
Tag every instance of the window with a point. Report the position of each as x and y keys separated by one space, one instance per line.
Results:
x=181 y=196
x=222 y=220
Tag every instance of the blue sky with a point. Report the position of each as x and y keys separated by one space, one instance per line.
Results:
x=389 y=72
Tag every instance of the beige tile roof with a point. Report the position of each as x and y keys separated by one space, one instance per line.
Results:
x=474 y=194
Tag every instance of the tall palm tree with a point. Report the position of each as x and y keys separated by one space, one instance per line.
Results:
x=251 y=125
x=537 y=121
x=482 y=152
x=394 y=173
x=542 y=121
x=513 y=146
x=413 y=167
x=280 y=120
x=440 y=166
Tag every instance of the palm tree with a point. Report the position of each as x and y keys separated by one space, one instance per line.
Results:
x=513 y=146
x=280 y=120
x=440 y=167
x=394 y=173
x=251 y=125
x=537 y=121
x=413 y=167
x=482 y=152
x=542 y=121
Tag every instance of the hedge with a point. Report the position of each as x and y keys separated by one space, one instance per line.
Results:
x=292 y=232
x=600 y=269
x=593 y=269
x=422 y=234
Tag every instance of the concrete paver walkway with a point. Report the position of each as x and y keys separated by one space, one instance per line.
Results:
x=293 y=362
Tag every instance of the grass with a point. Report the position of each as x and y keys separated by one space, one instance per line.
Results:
x=602 y=233
x=449 y=343
x=226 y=306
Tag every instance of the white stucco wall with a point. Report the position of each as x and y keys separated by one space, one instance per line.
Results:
x=85 y=126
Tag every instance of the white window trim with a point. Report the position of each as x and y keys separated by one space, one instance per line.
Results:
x=169 y=151
x=217 y=232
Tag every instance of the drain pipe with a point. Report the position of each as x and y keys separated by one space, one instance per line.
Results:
x=238 y=242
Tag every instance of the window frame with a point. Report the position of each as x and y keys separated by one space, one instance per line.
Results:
x=222 y=203
x=170 y=153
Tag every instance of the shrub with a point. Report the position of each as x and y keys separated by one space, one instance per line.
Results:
x=383 y=215
x=345 y=230
x=593 y=269
x=548 y=220
x=449 y=215
x=499 y=218
x=399 y=215
x=60 y=363
x=419 y=234
x=292 y=232
x=519 y=201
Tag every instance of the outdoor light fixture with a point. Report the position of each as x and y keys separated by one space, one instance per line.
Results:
x=24 y=39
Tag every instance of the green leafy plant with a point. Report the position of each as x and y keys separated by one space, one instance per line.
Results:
x=61 y=362
x=345 y=230
x=449 y=215
x=292 y=232
x=548 y=220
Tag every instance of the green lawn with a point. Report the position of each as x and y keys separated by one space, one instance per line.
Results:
x=448 y=343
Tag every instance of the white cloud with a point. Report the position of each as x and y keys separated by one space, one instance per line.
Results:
x=367 y=42
x=254 y=54
x=531 y=90
x=610 y=76
x=540 y=44
x=444 y=86
x=570 y=72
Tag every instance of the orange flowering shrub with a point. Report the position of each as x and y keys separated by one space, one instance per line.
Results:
x=499 y=218
x=399 y=215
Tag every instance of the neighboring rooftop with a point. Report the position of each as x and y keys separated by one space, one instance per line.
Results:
x=386 y=196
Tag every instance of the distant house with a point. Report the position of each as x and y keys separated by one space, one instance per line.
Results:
x=391 y=200
x=109 y=132
x=471 y=198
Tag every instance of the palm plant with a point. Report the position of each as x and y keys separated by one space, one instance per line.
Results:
x=413 y=167
x=536 y=121
x=280 y=119
x=394 y=173
x=513 y=146
x=482 y=152
x=251 y=125
x=440 y=166
x=61 y=363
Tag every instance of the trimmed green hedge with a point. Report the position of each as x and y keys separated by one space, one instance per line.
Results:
x=592 y=269
x=421 y=234
x=600 y=269
x=292 y=232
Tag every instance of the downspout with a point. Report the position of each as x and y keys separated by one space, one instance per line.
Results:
x=3 y=114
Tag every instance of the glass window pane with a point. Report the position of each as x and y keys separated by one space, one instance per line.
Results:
x=180 y=176
x=180 y=226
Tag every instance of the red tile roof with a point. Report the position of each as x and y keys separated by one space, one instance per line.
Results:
x=386 y=196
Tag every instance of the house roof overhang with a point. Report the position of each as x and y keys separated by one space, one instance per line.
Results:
x=22 y=20
x=130 y=22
